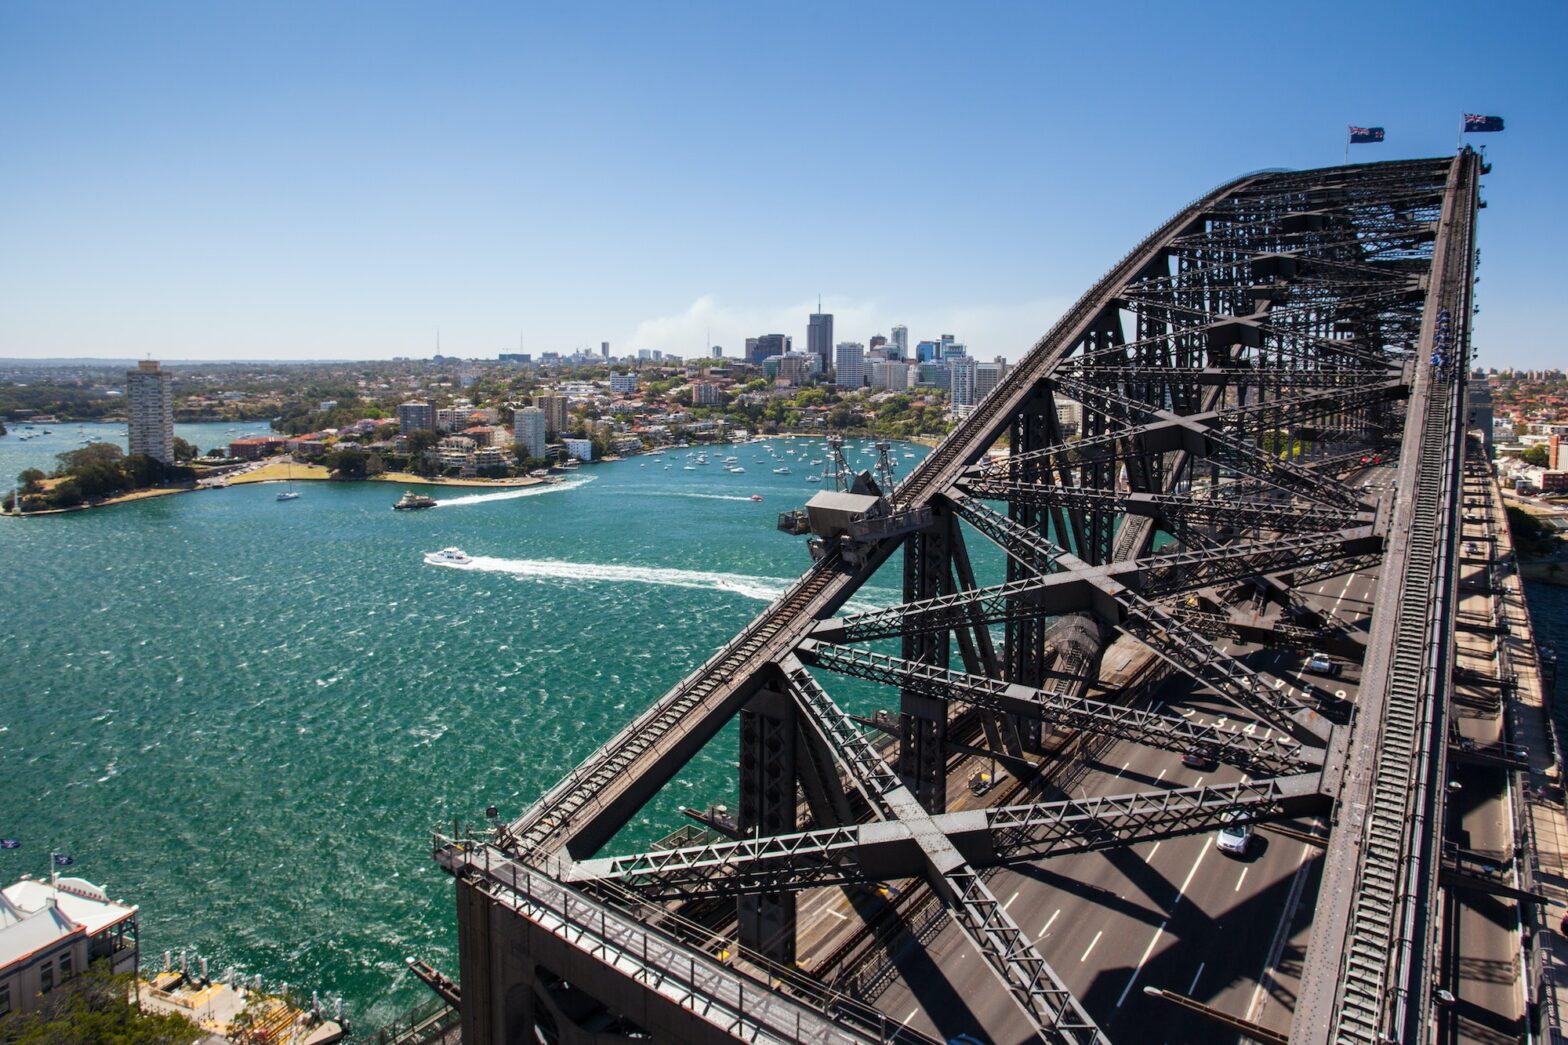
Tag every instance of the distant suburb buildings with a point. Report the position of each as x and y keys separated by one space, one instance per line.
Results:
x=51 y=929
x=149 y=411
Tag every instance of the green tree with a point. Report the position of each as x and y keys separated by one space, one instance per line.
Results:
x=1537 y=456
x=91 y=454
x=347 y=464
x=375 y=464
x=30 y=479
x=94 y=1008
x=183 y=451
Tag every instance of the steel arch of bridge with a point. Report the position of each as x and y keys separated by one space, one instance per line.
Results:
x=1175 y=444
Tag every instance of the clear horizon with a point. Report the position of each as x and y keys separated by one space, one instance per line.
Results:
x=340 y=182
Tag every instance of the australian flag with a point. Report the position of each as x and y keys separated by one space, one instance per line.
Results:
x=10 y=843
x=1365 y=135
x=63 y=860
x=1481 y=124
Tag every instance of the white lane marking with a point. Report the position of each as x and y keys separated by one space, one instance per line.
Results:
x=1194 y=984
x=1091 y=945
x=1188 y=880
x=1136 y=969
x=911 y=1014
x=1198 y=782
x=1160 y=777
x=1010 y=900
x=1123 y=769
x=1047 y=926
x=840 y=917
x=1281 y=933
x=1243 y=878
x=1152 y=852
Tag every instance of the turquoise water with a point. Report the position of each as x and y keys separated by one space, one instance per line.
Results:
x=39 y=450
x=246 y=716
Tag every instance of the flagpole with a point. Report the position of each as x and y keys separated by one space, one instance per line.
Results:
x=1347 y=146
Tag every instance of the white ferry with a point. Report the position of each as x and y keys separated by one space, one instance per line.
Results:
x=449 y=557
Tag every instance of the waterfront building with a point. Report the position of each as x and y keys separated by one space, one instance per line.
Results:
x=849 y=365
x=794 y=368
x=819 y=338
x=621 y=384
x=528 y=430
x=490 y=459
x=898 y=344
x=415 y=416
x=456 y=451
x=256 y=448
x=1069 y=416
x=50 y=931
x=988 y=376
x=891 y=375
x=149 y=411
x=962 y=373
x=935 y=375
x=554 y=408
x=582 y=449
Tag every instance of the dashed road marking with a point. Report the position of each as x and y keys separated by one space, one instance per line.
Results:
x=1091 y=945
x=1136 y=969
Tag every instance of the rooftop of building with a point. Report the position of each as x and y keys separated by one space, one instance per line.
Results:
x=35 y=913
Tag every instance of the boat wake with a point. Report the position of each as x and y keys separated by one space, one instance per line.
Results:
x=709 y=496
x=512 y=495
x=763 y=589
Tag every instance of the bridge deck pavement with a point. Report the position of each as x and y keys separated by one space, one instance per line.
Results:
x=1530 y=722
x=1175 y=913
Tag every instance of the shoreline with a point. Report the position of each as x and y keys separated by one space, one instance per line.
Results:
x=288 y=471
x=279 y=472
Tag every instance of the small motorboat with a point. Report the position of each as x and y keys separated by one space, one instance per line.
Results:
x=449 y=557
x=756 y=497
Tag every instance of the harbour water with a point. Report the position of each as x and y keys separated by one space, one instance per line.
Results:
x=247 y=715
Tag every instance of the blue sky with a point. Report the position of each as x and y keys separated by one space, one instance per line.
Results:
x=341 y=180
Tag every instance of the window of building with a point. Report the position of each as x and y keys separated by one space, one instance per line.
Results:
x=5 y=998
x=46 y=978
x=65 y=966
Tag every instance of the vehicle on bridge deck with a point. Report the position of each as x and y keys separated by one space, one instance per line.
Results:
x=1234 y=839
x=1201 y=760
x=1320 y=664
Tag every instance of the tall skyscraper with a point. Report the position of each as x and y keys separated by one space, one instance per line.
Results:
x=900 y=342
x=961 y=377
x=988 y=376
x=819 y=337
x=604 y=349
x=415 y=416
x=849 y=365
x=718 y=352
x=554 y=408
x=528 y=428
x=927 y=351
x=149 y=410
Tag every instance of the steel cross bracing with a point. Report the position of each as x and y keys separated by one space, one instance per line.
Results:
x=1179 y=444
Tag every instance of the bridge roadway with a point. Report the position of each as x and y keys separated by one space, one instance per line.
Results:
x=1176 y=914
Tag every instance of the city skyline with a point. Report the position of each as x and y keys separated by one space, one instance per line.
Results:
x=580 y=176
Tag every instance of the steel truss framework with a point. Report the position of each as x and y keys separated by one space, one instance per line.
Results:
x=1177 y=445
